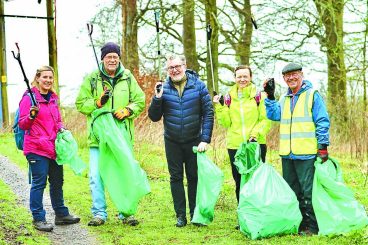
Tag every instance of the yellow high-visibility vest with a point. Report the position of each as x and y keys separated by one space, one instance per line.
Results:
x=297 y=129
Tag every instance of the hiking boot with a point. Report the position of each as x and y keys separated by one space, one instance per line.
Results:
x=130 y=221
x=66 y=220
x=42 y=225
x=181 y=222
x=96 y=221
x=307 y=232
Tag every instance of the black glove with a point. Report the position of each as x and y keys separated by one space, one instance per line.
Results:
x=104 y=98
x=33 y=111
x=269 y=88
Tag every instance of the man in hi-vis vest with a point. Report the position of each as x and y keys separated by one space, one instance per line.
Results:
x=304 y=135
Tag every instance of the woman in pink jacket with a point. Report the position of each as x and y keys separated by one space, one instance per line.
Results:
x=41 y=124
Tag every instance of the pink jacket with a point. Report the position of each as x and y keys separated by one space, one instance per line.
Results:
x=40 y=139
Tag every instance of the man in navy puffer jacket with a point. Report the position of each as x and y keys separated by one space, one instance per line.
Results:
x=185 y=104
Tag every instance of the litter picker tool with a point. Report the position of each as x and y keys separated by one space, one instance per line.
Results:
x=90 y=31
x=157 y=20
x=17 y=57
x=209 y=35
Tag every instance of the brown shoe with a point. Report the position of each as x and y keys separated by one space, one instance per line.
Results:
x=130 y=221
x=96 y=221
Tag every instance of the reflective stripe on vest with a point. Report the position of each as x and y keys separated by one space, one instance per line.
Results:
x=297 y=129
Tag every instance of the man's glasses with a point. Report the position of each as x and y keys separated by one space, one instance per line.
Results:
x=112 y=57
x=171 y=68
x=292 y=75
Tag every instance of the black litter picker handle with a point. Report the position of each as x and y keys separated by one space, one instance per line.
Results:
x=17 y=57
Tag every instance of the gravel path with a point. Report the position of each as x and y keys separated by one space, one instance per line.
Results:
x=14 y=177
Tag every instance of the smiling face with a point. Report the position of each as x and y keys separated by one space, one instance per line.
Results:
x=176 y=69
x=45 y=81
x=111 y=63
x=243 y=77
x=294 y=80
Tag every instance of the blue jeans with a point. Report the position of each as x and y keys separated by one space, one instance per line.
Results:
x=97 y=188
x=41 y=167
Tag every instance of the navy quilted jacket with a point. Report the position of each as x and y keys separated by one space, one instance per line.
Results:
x=186 y=118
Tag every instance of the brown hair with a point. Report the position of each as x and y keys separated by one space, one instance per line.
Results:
x=240 y=67
x=38 y=74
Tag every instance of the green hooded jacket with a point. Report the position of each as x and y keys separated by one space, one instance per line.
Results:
x=125 y=93
x=243 y=118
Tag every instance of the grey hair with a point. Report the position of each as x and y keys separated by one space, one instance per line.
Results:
x=175 y=56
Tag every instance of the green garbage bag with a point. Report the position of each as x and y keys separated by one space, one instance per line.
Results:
x=247 y=160
x=267 y=205
x=124 y=179
x=336 y=209
x=210 y=179
x=67 y=152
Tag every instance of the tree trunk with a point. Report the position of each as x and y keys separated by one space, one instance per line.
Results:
x=189 y=36
x=51 y=30
x=331 y=15
x=242 y=48
x=211 y=15
x=129 y=50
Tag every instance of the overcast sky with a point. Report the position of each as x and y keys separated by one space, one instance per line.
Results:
x=75 y=56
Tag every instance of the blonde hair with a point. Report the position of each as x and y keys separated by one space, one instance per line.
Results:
x=38 y=74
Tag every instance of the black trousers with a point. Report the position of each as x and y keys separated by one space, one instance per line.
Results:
x=180 y=156
x=236 y=175
x=299 y=175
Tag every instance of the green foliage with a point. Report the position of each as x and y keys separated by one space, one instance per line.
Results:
x=15 y=222
x=156 y=212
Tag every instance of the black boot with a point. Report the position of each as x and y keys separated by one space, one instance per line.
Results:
x=66 y=220
x=42 y=225
x=181 y=222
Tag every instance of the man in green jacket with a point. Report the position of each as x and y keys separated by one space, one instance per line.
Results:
x=113 y=87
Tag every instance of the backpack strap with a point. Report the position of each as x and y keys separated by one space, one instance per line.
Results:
x=258 y=97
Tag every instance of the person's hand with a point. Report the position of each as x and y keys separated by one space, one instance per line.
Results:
x=202 y=147
x=104 y=98
x=323 y=154
x=159 y=89
x=252 y=139
x=121 y=114
x=269 y=87
x=216 y=98
x=33 y=111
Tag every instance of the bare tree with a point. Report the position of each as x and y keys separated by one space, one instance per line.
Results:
x=189 y=35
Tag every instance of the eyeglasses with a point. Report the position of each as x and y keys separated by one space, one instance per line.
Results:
x=292 y=75
x=112 y=57
x=171 y=68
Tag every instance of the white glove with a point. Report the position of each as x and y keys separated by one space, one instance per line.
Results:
x=202 y=147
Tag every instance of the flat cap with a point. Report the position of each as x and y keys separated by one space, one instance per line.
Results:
x=291 y=67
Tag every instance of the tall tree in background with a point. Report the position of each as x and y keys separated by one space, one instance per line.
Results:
x=129 y=56
x=240 y=35
x=189 y=36
x=331 y=15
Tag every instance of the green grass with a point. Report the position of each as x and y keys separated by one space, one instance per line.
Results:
x=16 y=222
x=156 y=212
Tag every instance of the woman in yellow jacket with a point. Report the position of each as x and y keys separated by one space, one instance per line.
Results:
x=244 y=116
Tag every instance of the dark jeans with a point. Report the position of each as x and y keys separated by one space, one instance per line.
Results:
x=180 y=156
x=299 y=175
x=236 y=175
x=40 y=168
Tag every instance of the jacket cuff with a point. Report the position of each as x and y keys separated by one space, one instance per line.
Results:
x=322 y=146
